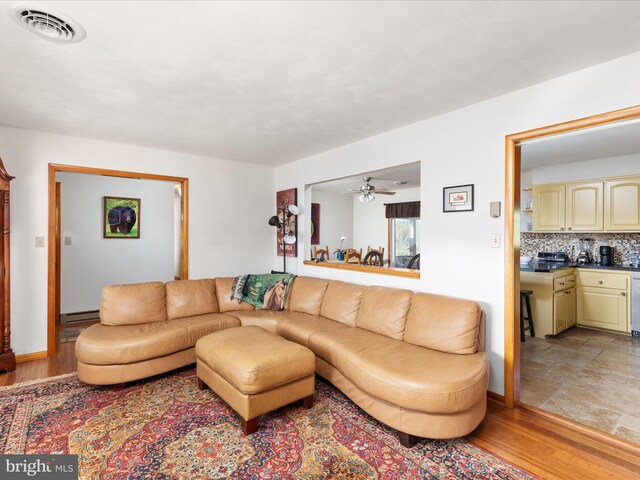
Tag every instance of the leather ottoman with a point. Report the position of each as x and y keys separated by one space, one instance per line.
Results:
x=255 y=371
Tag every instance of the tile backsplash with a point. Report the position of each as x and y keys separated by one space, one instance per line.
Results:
x=623 y=243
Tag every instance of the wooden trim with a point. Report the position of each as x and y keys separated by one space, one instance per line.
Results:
x=51 y=273
x=396 y=272
x=616 y=443
x=512 y=236
x=495 y=397
x=389 y=241
x=27 y=357
x=58 y=252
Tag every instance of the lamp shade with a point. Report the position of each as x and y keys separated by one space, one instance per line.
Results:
x=293 y=209
x=289 y=239
x=275 y=221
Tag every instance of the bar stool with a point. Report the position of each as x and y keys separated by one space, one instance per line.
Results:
x=524 y=301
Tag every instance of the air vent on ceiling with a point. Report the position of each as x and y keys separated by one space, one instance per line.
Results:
x=52 y=26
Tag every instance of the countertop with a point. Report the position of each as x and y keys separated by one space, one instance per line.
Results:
x=540 y=266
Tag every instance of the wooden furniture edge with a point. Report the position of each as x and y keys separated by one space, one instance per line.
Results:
x=396 y=272
x=612 y=441
x=512 y=241
x=27 y=357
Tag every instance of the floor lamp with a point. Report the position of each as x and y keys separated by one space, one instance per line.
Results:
x=287 y=237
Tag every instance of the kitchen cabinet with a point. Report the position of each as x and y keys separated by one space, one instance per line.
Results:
x=584 y=207
x=574 y=207
x=553 y=300
x=548 y=208
x=602 y=300
x=609 y=204
x=622 y=205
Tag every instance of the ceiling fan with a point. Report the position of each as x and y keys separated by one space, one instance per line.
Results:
x=367 y=192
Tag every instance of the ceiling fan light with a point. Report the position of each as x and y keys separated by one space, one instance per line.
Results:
x=370 y=197
x=361 y=197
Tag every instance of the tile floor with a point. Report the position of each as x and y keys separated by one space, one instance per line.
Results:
x=589 y=376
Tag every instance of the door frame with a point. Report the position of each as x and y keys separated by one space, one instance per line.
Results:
x=53 y=281
x=512 y=236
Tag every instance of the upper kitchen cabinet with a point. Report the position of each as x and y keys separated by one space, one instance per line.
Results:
x=549 y=208
x=584 y=207
x=622 y=205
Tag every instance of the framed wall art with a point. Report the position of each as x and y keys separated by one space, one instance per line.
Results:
x=458 y=198
x=284 y=198
x=121 y=217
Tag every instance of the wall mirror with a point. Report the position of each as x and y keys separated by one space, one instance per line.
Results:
x=369 y=220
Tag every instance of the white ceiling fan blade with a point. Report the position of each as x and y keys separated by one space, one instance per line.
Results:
x=384 y=193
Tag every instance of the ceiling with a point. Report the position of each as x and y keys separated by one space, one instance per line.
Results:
x=409 y=173
x=612 y=140
x=272 y=82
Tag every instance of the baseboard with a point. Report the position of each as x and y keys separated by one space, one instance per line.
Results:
x=78 y=317
x=495 y=396
x=27 y=357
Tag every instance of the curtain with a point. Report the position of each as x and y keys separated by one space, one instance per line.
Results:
x=402 y=210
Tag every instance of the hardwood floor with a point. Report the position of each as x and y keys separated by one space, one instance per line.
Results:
x=546 y=448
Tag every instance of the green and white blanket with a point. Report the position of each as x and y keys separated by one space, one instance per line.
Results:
x=268 y=291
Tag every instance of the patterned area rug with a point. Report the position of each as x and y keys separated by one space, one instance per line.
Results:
x=165 y=427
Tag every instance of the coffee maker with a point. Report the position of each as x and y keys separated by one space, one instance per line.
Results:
x=606 y=255
x=585 y=251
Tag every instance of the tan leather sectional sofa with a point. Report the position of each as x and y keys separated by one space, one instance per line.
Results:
x=414 y=361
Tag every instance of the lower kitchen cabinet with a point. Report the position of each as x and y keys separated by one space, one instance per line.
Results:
x=603 y=308
x=553 y=301
x=602 y=300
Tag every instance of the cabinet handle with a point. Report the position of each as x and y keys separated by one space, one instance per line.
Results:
x=560 y=283
x=561 y=228
x=599 y=282
x=623 y=294
x=569 y=228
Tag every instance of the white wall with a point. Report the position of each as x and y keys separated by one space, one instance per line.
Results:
x=229 y=205
x=370 y=226
x=460 y=147
x=91 y=261
x=589 y=170
x=336 y=220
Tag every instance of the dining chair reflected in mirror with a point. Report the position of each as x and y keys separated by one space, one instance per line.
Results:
x=380 y=250
x=414 y=263
x=353 y=256
x=322 y=253
x=373 y=257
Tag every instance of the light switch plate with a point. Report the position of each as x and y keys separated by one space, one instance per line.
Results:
x=39 y=242
x=67 y=240
x=495 y=240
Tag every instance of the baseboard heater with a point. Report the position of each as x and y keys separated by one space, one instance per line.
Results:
x=77 y=317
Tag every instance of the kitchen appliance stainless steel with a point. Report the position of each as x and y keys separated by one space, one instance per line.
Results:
x=606 y=255
x=552 y=257
x=585 y=251
x=635 y=304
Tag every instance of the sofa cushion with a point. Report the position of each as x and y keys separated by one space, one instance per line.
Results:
x=267 y=319
x=123 y=344
x=384 y=310
x=298 y=327
x=341 y=302
x=445 y=324
x=201 y=325
x=403 y=374
x=307 y=294
x=186 y=298
x=223 y=295
x=133 y=304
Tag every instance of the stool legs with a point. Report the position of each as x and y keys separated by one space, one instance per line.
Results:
x=530 y=316
x=521 y=318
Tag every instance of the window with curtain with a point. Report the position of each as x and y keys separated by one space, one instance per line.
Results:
x=404 y=232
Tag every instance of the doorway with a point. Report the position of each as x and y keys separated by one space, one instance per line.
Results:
x=54 y=246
